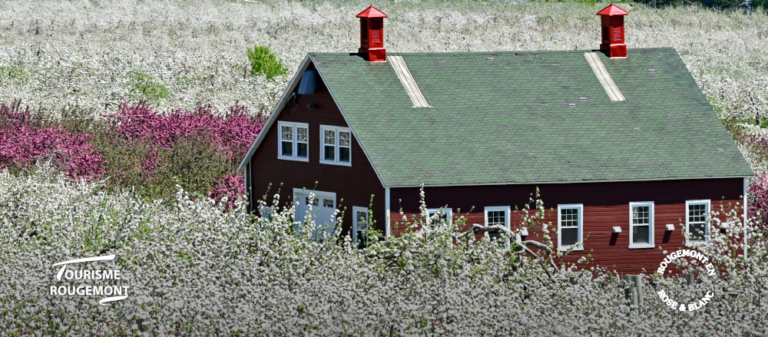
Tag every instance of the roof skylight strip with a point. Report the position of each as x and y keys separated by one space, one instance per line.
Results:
x=406 y=80
x=409 y=84
x=604 y=77
x=597 y=68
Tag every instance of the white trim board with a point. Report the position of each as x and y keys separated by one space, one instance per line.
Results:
x=746 y=219
x=386 y=215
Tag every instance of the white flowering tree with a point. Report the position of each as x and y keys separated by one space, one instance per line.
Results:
x=195 y=270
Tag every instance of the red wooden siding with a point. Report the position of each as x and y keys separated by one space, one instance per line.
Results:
x=605 y=205
x=353 y=184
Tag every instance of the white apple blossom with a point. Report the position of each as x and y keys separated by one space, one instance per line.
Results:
x=195 y=270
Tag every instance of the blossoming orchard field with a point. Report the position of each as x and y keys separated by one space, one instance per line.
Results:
x=122 y=124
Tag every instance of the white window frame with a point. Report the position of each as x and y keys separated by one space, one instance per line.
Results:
x=507 y=211
x=688 y=203
x=651 y=224
x=336 y=146
x=295 y=142
x=356 y=209
x=579 y=245
x=448 y=214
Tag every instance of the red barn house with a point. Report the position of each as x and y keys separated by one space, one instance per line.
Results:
x=622 y=143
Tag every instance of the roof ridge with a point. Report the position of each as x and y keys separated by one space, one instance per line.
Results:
x=495 y=51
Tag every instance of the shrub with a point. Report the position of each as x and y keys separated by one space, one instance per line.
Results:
x=145 y=87
x=264 y=62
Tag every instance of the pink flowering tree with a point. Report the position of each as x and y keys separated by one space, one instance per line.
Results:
x=758 y=205
x=231 y=134
x=25 y=140
x=195 y=148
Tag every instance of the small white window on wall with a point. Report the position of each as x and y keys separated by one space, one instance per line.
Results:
x=438 y=215
x=497 y=215
x=570 y=227
x=336 y=145
x=696 y=220
x=360 y=227
x=294 y=141
x=641 y=224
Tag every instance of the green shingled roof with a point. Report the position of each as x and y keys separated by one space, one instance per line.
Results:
x=508 y=120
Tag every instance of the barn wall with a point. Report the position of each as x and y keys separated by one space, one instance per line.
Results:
x=353 y=184
x=605 y=205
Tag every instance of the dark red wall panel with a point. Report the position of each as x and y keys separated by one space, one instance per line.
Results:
x=354 y=184
x=605 y=205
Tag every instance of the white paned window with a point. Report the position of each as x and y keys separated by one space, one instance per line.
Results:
x=496 y=215
x=696 y=220
x=570 y=227
x=361 y=220
x=294 y=141
x=438 y=215
x=336 y=145
x=641 y=224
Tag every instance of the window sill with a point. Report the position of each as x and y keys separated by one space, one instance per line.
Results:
x=695 y=243
x=336 y=163
x=642 y=246
x=293 y=159
x=566 y=248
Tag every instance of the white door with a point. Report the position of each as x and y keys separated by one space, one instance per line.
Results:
x=323 y=206
x=360 y=227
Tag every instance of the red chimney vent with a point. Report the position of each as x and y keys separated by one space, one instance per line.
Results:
x=372 y=35
x=613 y=31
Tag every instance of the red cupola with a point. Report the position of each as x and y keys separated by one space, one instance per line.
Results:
x=372 y=35
x=613 y=31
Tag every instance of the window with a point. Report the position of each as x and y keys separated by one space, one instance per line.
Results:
x=294 y=141
x=570 y=227
x=696 y=220
x=641 y=224
x=360 y=226
x=336 y=145
x=497 y=215
x=443 y=214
